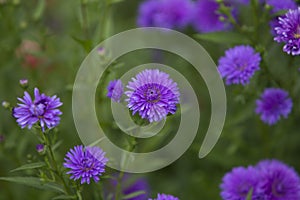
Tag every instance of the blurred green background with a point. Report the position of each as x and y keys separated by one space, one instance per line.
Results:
x=45 y=41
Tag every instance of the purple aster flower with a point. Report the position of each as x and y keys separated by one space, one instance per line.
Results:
x=42 y=109
x=278 y=181
x=115 y=90
x=152 y=94
x=273 y=104
x=85 y=163
x=206 y=17
x=165 y=13
x=288 y=32
x=239 y=64
x=39 y=148
x=165 y=197
x=129 y=185
x=239 y=182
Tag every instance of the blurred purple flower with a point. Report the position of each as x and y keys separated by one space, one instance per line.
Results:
x=39 y=148
x=2 y=138
x=85 y=163
x=273 y=104
x=288 y=32
x=278 y=181
x=129 y=186
x=43 y=110
x=165 y=13
x=239 y=182
x=280 y=5
x=152 y=94
x=206 y=17
x=165 y=197
x=115 y=90
x=239 y=64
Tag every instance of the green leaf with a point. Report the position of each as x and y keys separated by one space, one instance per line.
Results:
x=86 y=44
x=34 y=182
x=29 y=166
x=39 y=10
x=64 y=197
x=115 y=1
x=249 y=196
x=134 y=194
x=224 y=38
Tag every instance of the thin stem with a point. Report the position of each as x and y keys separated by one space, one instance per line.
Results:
x=52 y=158
x=83 y=9
x=104 y=18
x=132 y=145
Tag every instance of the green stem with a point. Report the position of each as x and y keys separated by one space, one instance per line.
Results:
x=83 y=9
x=52 y=158
x=104 y=18
x=121 y=175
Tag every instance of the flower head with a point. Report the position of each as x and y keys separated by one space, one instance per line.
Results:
x=2 y=138
x=206 y=17
x=239 y=182
x=165 y=13
x=85 y=163
x=115 y=90
x=42 y=110
x=39 y=148
x=165 y=197
x=23 y=83
x=288 y=31
x=239 y=64
x=278 y=181
x=273 y=104
x=152 y=94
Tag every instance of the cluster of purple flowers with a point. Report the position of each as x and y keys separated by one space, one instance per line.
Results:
x=152 y=94
x=203 y=15
x=165 y=197
x=269 y=179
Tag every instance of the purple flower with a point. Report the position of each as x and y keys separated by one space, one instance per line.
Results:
x=129 y=186
x=39 y=148
x=165 y=197
x=42 y=109
x=165 y=13
x=278 y=181
x=239 y=64
x=239 y=182
x=85 y=163
x=279 y=5
x=206 y=17
x=273 y=104
x=115 y=90
x=152 y=94
x=288 y=32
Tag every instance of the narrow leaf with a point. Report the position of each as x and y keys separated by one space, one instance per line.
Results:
x=224 y=37
x=29 y=166
x=132 y=195
x=249 y=196
x=34 y=182
x=64 y=197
